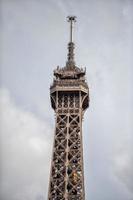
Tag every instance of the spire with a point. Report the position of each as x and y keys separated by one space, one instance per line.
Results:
x=70 y=57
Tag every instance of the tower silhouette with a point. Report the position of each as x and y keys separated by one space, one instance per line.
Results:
x=69 y=94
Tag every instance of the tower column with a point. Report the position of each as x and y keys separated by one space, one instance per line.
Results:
x=69 y=98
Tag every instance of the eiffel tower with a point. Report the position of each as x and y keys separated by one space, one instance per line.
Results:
x=69 y=95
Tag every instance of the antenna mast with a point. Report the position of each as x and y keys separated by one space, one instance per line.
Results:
x=70 y=61
x=71 y=19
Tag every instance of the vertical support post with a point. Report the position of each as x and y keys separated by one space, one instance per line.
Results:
x=71 y=19
x=71 y=31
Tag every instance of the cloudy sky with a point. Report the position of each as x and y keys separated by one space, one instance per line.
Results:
x=33 y=41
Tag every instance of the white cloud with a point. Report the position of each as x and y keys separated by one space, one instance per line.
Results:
x=25 y=146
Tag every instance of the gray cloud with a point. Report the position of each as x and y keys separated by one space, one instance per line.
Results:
x=123 y=163
x=25 y=146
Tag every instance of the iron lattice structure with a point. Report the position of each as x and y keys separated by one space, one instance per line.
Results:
x=69 y=98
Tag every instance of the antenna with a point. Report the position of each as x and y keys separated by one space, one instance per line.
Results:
x=71 y=19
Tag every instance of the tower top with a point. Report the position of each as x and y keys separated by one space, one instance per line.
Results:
x=70 y=71
x=70 y=78
x=71 y=19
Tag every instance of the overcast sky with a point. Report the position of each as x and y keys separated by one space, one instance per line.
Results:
x=33 y=41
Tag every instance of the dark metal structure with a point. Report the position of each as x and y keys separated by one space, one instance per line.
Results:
x=69 y=98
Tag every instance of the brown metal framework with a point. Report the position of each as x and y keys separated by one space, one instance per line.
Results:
x=69 y=98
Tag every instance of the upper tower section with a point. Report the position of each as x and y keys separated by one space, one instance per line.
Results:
x=70 y=78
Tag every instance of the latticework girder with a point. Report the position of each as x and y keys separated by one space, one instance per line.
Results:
x=67 y=178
